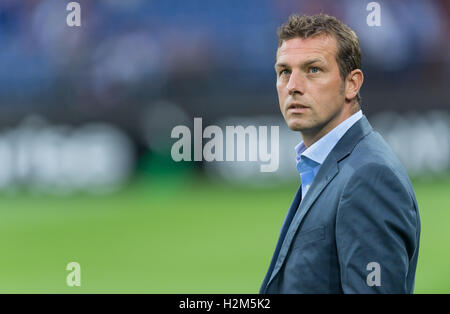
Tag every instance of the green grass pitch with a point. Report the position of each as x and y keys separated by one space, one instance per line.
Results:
x=186 y=237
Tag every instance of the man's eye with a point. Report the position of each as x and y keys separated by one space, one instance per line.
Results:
x=284 y=72
x=314 y=70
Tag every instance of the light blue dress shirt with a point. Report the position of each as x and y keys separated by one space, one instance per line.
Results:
x=310 y=159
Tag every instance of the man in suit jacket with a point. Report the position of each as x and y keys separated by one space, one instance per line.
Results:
x=353 y=226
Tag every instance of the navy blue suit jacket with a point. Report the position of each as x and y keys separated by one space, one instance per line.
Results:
x=356 y=231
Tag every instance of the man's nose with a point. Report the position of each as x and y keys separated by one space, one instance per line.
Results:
x=296 y=83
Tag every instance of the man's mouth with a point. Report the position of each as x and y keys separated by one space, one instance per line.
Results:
x=297 y=108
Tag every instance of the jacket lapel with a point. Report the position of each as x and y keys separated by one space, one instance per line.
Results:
x=327 y=172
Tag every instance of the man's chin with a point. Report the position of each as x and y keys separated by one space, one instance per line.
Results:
x=296 y=126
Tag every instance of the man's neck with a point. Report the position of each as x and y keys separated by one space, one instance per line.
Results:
x=313 y=135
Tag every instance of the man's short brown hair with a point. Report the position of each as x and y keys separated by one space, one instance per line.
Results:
x=348 y=56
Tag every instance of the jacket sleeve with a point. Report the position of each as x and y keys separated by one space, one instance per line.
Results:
x=376 y=228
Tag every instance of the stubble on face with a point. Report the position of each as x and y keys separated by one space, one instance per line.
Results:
x=309 y=80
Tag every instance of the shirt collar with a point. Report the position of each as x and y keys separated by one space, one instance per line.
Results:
x=319 y=151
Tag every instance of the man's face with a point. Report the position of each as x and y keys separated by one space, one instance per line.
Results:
x=310 y=88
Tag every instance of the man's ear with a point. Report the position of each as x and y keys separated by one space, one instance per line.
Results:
x=353 y=84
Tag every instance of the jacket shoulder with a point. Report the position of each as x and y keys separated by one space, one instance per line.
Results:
x=371 y=156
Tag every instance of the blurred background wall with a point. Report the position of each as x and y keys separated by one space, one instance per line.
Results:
x=90 y=109
x=143 y=67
